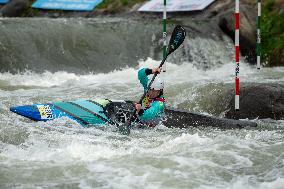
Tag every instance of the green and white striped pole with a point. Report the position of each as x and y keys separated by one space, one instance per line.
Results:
x=258 y=35
x=165 y=33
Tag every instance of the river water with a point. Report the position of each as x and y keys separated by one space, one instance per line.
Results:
x=61 y=154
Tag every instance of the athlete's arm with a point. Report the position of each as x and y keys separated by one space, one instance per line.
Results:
x=153 y=112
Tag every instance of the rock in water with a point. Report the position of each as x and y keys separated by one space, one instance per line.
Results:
x=14 y=8
x=259 y=101
x=226 y=22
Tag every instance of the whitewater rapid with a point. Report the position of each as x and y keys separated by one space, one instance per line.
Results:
x=61 y=154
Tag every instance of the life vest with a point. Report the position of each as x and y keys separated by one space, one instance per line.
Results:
x=146 y=103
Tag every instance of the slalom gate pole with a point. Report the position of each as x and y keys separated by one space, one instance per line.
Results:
x=237 y=55
x=165 y=33
x=258 y=35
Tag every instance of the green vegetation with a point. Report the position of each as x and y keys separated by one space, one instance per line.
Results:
x=31 y=12
x=272 y=27
x=117 y=5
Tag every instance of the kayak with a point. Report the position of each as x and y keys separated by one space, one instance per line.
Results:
x=113 y=112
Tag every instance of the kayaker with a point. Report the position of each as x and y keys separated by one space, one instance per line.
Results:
x=151 y=111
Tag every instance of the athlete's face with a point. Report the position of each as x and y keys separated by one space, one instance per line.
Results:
x=153 y=93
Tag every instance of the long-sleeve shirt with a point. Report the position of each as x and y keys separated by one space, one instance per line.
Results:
x=152 y=109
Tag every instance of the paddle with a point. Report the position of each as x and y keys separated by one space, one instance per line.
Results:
x=176 y=40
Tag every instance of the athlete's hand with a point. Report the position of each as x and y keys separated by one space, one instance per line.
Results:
x=156 y=70
x=138 y=107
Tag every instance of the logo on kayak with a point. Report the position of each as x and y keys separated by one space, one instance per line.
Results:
x=45 y=111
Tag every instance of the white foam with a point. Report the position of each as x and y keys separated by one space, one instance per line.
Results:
x=249 y=183
x=125 y=178
x=48 y=79
x=175 y=74
x=90 y=152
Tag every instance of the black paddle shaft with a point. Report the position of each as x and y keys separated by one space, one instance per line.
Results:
x=176 y=40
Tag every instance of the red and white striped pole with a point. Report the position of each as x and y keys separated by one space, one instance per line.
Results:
x=237 y=56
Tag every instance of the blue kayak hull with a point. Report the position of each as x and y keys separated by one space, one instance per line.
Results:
x=85 y=112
